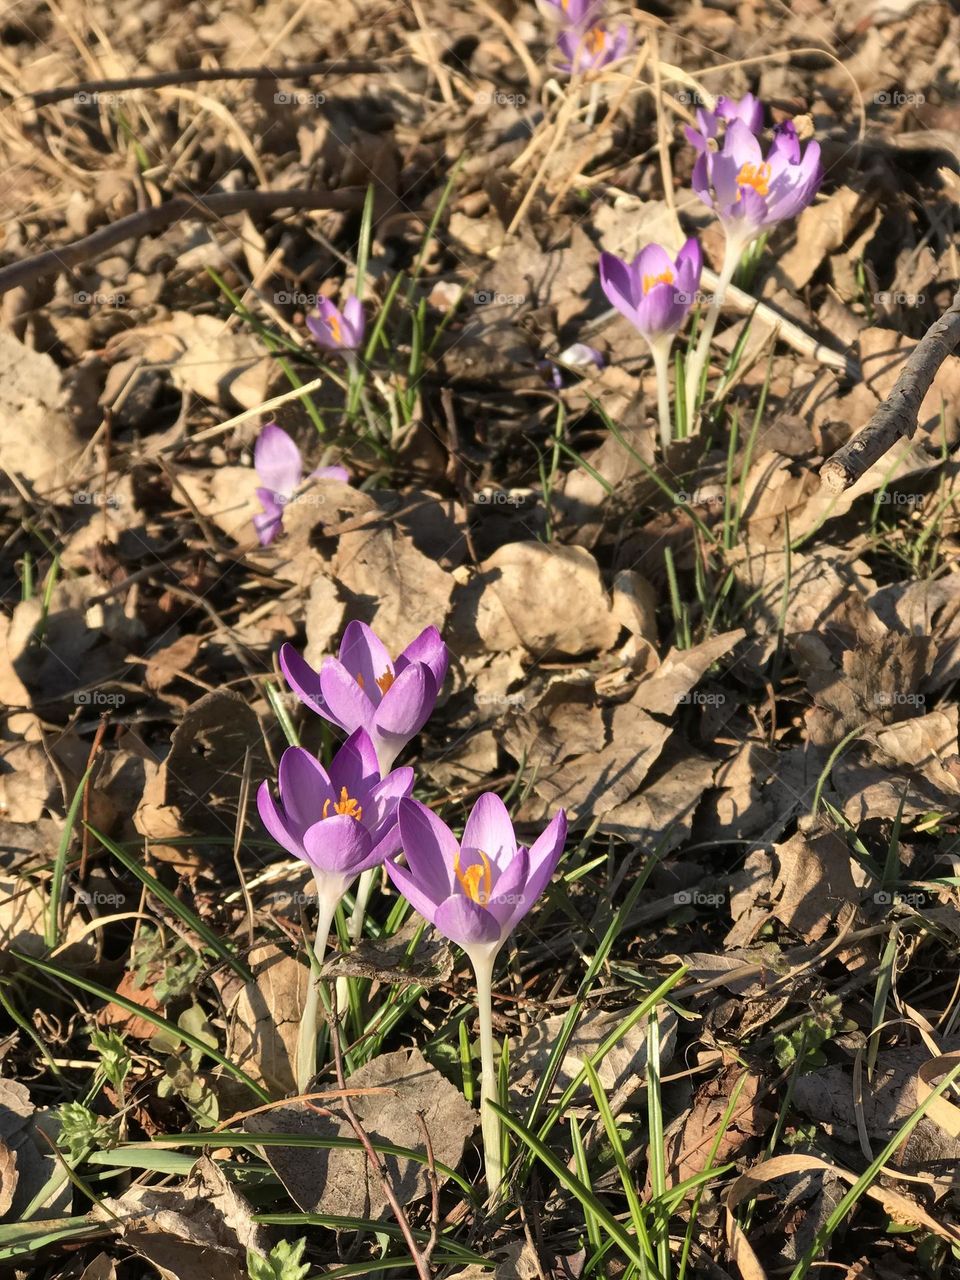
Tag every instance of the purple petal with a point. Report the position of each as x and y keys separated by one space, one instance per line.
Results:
x=270 y=522
x=430 y=848
x=621 y=285
x=652 y=260
x=786 y=143
x=690 y=265
x=304 y=787
x=365 y=658
x=272 y=817
x=412 y=890
x=277 y=460
x=741 y=145
x=490 y=829
x=385 y=796
x=429 y=649
x=327 y=326
x=346 y=703
x=355 y=767
x=544 y=854
x=509 y=896
x=354 y=322
x=338 y=844
x=660 y=312
x=466 y=923
x=302 y=679
x=407 y=704
x=332 y=473
x=700 y=180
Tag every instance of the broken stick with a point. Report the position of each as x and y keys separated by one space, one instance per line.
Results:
x=898 y=414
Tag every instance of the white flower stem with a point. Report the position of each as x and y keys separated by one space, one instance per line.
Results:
x=483 y=960
x=732 y=252
x=660 y=351
x=307 y=1039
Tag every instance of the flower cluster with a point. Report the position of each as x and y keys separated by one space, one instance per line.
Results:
x=586 y=42
x=359 y=814
x=750 y=190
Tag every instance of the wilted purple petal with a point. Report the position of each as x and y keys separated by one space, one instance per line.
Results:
x=269 y=522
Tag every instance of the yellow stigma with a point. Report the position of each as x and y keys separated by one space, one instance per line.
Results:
x=346 y=805
x=665 y=277
x=333 y=324
x=385 y=681
x=756 y=176
x=477 y=881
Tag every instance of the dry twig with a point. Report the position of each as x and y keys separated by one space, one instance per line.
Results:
x=898 y=414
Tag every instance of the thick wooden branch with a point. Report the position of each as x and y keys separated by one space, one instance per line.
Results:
x=898 y=414
x=150 y=221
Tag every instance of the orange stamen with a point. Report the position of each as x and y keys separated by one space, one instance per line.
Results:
x=665 y=277
x=346 y=806
x=385 y=681
x=476 y=881
x=333 y=324
x=596 y=40
x=756 y=176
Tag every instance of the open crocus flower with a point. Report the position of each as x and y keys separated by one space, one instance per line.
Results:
x=363 y=688
x=476 y=890
x=278 y=464
x=750 y=192
x=337 y=330
x=749 y=111
x=654 y=292
x=342 y=820
x=589 y=49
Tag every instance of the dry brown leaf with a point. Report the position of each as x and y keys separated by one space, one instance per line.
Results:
x=265 y=1020
x=689 y=1140
x=817 y=882
x=38 y=441
x=530 y=1054
x=821 y=229
x=341 y=1181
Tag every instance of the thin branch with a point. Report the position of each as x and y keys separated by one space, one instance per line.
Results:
x=150 y=221
x=418 y=1257
x=898 y=414
x=198 y=75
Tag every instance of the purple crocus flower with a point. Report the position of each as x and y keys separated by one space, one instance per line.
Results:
x=278 y=463
x=474 y=891
x=749 y=111
x=592 y=48
x=362 y=688
x=654 y=292
x=337 y=330
x=342 y=820
x=750 y=192
x=570 y=13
